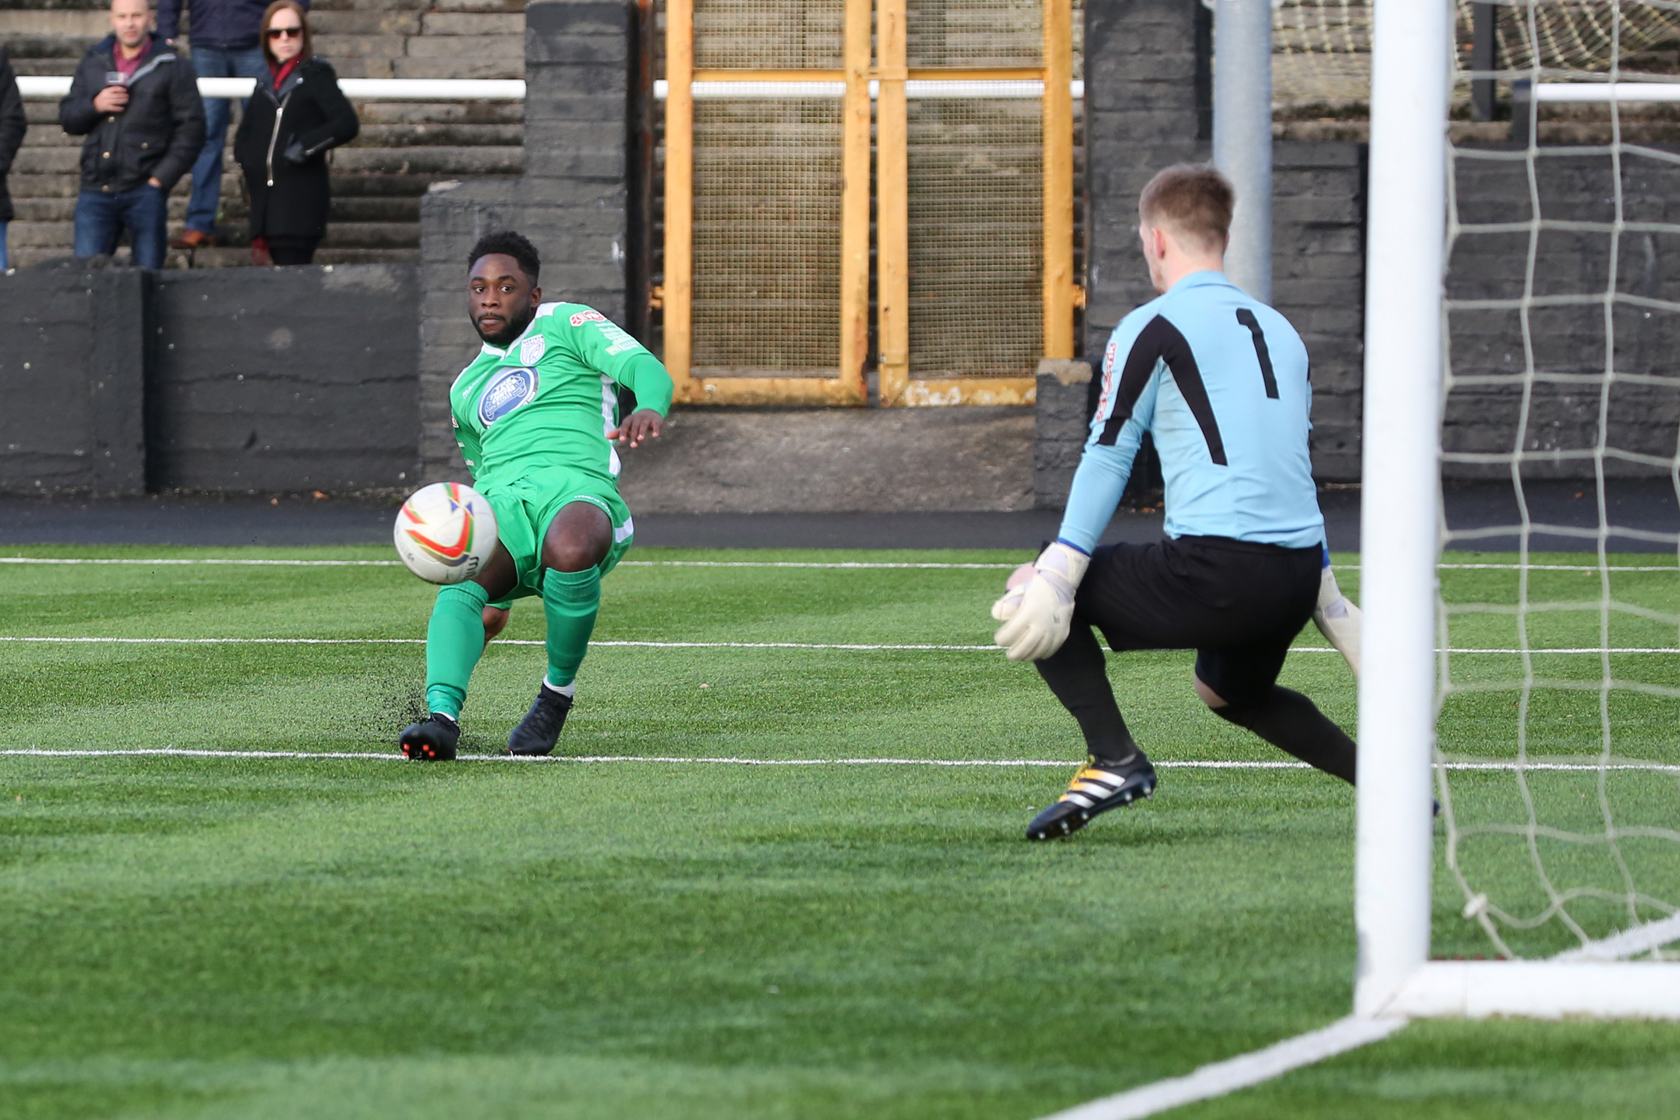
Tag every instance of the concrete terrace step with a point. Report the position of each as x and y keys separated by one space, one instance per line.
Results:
x=358 y=210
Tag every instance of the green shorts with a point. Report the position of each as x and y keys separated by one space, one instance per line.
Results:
x=526 y=508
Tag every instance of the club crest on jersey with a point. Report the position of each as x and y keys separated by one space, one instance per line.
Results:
x=531 y=350
x=511 y=387
x=583 y=317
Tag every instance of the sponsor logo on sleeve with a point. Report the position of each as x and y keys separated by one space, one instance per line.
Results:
x=620 y=340
x=1109 y=355
x=583 y=317
x=532 y=349
x=510 y=388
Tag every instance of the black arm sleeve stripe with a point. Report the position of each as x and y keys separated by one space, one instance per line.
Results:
x=1161 y=341
x=1134 y=375
x=1247 y=319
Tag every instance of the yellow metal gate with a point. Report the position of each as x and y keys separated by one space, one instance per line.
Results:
x=767 y=215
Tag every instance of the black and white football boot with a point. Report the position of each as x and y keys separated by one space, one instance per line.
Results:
x=540 y=729
x=1097 y=788
x=433 y=739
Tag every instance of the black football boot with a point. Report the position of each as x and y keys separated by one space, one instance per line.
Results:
x=433 y=739
x=540 y=729
x=1098 y=787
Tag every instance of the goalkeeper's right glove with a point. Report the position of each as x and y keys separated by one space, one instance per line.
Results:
x=1337 y=618
x=1036 y=615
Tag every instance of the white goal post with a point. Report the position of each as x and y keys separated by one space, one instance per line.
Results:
x=1400 y=548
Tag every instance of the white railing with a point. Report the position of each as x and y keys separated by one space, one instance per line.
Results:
x=363 y=89
x=472 y=89
x=1607 y=91
x=1011 y=90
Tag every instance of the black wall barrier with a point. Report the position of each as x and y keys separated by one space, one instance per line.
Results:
x=265 y=380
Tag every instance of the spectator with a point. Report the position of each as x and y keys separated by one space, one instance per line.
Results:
x=283 y=139
x=224 y=35
x=13 y=124
x=137 y=103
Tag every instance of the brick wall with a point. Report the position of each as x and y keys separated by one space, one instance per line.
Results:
x=1570 y=345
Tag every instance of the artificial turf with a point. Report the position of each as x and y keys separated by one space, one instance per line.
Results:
x=190 y=936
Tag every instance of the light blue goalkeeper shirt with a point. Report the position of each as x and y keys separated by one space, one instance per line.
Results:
x=1219 y=380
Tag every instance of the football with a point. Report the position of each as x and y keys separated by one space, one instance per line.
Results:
x=445 y=532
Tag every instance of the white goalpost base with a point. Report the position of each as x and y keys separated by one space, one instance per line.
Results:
x=1539 y=990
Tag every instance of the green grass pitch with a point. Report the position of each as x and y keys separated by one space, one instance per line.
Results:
x=283 y=937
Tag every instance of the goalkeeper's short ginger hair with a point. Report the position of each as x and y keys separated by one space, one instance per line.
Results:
x=1192 y=200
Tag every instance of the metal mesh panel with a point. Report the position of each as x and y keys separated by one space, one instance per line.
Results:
x=1322 y=48
x=975 y=34
x=1578 y=36
x=769 y=34
x=767 y=181
x=1321 y=51
x=976 y=236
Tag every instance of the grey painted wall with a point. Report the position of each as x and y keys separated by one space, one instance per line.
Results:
x=572 y=201
x=285 y=379
x=72 y=350
x=118 y=380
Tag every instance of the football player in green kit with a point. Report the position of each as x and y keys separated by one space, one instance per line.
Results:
x=536 y=415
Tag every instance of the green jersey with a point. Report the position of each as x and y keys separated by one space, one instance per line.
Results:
x=549 y=399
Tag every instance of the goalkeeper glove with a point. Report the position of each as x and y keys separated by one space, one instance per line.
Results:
x=1338 y=619
x=1036 y=615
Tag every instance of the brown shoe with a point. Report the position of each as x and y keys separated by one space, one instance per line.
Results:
x=193 y=239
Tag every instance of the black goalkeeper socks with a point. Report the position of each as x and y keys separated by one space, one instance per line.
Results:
x=1077 y=675
x=1291 y=722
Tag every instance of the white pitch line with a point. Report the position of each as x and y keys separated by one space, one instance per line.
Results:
x=640 y=644
x=726 y=760
x=1219 y=1078
x=369 y=756
x=1561 y=567
x=499 y=642
x=248 y=562
x=836 y=565
x=212 y=560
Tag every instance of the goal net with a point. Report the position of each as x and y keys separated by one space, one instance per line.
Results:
x=1553 y=674
x=1559 y=724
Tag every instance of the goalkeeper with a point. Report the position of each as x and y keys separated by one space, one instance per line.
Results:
x=1220 y=381
x=536 y=414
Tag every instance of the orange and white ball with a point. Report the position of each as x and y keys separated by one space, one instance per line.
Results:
x=446 y=532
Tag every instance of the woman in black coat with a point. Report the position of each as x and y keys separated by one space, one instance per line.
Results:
x=13 y=124
x=283 y=138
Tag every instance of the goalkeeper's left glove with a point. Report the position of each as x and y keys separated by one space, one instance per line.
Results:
x=1338 y=619
x=1036 y=615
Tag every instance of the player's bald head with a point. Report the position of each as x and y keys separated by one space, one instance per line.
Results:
x=1192 y=201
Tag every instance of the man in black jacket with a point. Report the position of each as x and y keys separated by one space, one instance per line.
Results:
x=224 y=45
x=136 y=100
x=13 y=124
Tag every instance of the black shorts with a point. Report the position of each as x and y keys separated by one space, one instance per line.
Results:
x=1239 y=605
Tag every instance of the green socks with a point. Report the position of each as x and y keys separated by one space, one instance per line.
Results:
x=454 y=641
x=455 y=638
x=570 y=600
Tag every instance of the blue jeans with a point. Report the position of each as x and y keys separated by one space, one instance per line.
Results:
x=101 y=219
x=3 y=263
x=212 y=62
